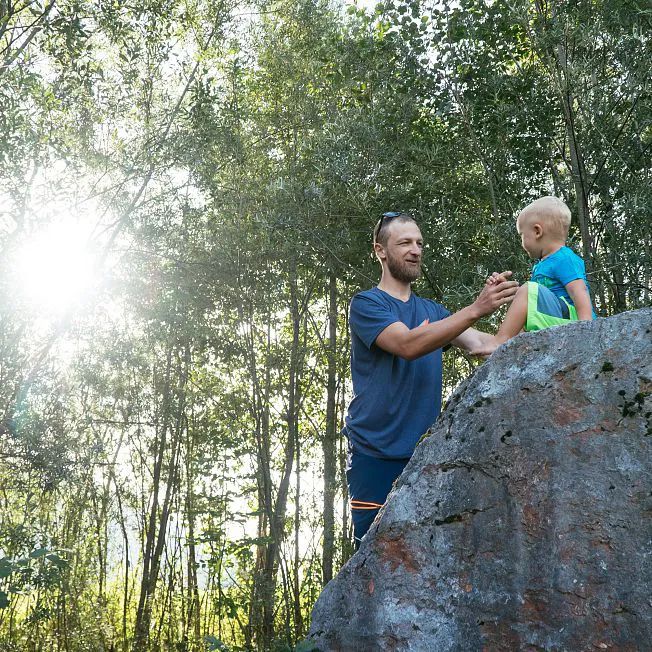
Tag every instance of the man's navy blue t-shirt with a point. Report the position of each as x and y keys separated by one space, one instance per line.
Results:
x=394 y=400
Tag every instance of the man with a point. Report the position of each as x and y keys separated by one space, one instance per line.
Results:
x=396 y=363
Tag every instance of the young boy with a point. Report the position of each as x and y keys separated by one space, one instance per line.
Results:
x=558 y=292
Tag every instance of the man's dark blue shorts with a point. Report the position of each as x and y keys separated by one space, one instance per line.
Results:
x=369 y=479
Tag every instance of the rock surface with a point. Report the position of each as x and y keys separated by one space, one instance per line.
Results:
x=524 y=521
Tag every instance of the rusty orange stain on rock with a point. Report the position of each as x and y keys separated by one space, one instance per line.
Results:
x=371 y=586
x=585 y=435
x=430 y=468
x=499 y=636
x=609 y=425
x=396 y=554
x=566 y=414
x=534 y=519
x=601 y=544
x=645 y=385
x=542 y=471
x=529 y=518
x=566 y=553
x=467 y=587
x=535 y=607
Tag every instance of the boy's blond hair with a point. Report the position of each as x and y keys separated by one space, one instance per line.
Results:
x=552 y=212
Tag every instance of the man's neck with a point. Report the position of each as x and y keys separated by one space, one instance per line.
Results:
x=398 y=289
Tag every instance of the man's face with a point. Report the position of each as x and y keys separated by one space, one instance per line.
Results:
x=403 y=251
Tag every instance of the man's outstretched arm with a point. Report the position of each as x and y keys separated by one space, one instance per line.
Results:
x=411 y=344
x=476 y=342
x=473 y=341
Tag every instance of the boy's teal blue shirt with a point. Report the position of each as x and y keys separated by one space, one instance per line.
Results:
x=558 y=270
x=394 y=400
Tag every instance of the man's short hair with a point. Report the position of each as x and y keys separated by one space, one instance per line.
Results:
x=553 y=212
x=381 y=230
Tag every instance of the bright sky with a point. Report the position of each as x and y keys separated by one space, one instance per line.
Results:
x=55 y=265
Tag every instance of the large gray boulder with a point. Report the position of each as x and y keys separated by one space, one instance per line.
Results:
x=524 y=521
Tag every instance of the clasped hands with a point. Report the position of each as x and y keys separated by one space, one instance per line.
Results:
x=497 y=291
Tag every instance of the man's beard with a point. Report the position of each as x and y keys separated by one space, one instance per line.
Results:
x=401 y=270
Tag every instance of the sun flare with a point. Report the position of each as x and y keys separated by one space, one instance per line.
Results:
x=55 y=268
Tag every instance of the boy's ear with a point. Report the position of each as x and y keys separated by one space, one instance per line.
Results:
x=538 y=230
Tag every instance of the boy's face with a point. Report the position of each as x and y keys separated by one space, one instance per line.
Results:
x=530 y=232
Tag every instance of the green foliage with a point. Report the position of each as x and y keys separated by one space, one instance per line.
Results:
x=40 y=570
x=214 y=643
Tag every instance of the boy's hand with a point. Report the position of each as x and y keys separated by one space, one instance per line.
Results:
x=498 y=278
x=496 y=292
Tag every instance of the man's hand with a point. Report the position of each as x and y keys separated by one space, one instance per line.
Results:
x=498 y=290
x=475 y=342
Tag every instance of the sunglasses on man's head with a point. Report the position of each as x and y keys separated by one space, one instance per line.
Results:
x=386 y=217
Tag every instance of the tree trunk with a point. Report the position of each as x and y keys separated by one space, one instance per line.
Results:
x=194 y=609
x=157 y=526
x=578 y=173
x=279 y=511
x=141 y=628
x=298 y=620
x=125 y=541
x=328 y=444
x=260 y=411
